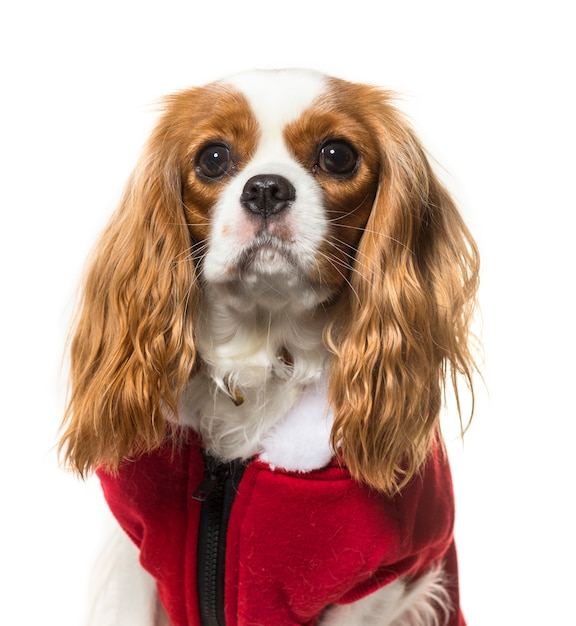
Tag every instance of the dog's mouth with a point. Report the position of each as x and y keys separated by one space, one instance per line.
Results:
x=270 y=274
x=268 y=257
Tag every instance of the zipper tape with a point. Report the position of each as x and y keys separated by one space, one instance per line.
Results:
x=217 y=492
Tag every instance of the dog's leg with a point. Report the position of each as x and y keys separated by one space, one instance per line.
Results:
x=422 y=603
x=121 y=593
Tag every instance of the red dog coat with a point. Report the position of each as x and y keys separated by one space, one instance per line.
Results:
x=295 y=542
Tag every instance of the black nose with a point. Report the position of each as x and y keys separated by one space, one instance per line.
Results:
x=267 y=194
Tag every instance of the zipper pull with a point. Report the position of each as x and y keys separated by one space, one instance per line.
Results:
x=213 y=474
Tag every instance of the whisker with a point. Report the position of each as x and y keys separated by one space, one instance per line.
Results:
x=342 y=216
x=334 y=264
x=354 y=257
x=375 y=232
x=195 y=253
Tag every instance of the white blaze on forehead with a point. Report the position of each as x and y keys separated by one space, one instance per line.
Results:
x=278 y=97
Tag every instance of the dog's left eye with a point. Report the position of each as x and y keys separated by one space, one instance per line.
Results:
x=338 y=158
x=213 y=161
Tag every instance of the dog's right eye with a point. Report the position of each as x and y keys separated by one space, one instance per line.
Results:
x=214 y=161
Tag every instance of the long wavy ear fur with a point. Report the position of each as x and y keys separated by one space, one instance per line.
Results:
x=132 y=346
x=404 y=329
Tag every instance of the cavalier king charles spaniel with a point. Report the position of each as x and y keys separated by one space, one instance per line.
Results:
x=266 y=331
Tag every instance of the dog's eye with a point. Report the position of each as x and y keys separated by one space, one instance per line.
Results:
x=338 y=158
x=213 y=161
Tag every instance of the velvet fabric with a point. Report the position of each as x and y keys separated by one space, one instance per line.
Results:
x=296 y=542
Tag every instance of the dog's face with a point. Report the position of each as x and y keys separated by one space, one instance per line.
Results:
x=279 y=181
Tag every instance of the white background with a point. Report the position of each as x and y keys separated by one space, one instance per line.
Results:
x=488 y=85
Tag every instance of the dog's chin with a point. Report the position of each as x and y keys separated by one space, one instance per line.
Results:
x=268 y=260
x=270 y=278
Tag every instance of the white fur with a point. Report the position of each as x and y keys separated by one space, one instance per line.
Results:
x=279 y=96
x=241 y=354
x=122 y=593
x=247 y=400
x=300 y=441
x=424 y=602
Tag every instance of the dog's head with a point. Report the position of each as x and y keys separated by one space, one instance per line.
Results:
x=288 y=193
x=275 y=174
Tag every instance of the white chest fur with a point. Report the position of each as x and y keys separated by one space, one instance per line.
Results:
x=286 y=422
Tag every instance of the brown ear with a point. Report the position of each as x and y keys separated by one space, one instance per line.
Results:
x=132 y=348
x=404 y=329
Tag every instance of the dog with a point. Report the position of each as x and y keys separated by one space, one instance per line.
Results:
x=266 y=331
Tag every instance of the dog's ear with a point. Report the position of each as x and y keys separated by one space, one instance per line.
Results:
x=132 y=347
x=404 y=331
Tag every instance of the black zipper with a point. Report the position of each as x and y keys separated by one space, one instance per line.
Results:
x=217 y=492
